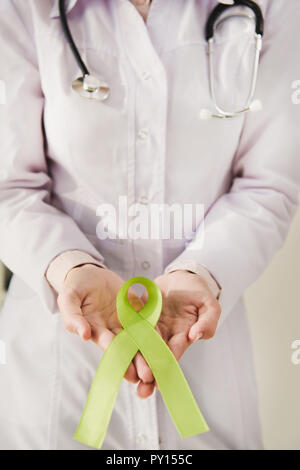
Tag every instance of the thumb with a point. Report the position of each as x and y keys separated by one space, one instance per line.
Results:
x=69 y=304
x=206 y=325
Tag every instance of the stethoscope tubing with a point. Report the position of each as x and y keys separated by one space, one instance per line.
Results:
x=69 y=38
x=86 y=90
x=219 y=9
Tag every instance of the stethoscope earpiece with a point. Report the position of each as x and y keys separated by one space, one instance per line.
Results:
x=91 y=87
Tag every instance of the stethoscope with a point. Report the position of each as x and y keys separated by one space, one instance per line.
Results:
x=96 y=88
x=213 y=21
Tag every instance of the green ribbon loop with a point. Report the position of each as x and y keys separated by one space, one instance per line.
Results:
x=138 y=334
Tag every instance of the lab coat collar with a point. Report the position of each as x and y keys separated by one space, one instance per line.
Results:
x=142 y=53
x=54 y=13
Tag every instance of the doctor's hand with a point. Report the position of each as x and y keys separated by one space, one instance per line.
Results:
x=87 y=302
x=190 y=312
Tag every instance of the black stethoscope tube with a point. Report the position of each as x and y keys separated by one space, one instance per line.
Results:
x=209 y=29
x=98 y=89
x=69 y=38
x=219 y=9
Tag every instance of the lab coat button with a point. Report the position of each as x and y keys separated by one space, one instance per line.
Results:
x=146 y=75
x=141 y=439
x=145 y=265
x=143 y=200
x=143 y=134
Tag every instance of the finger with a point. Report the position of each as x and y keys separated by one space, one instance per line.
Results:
x=179 y=344
x=206 y=325
x=145 y=390
x=144 y=296
x=103 y=338
x=69 y=304
x=135 y=301
x=131 y=374
x=143 y=370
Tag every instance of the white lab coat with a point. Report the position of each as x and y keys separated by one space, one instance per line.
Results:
x=246 y=172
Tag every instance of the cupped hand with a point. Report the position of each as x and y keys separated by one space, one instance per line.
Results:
x=190 y=312
x=87 y=302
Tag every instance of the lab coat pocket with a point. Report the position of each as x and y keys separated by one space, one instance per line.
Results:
x=91 y=30
x=87 y=132
x=106 y=66
x=233 y=58
x=233 y=51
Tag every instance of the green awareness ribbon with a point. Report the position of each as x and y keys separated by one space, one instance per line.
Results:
x=138 y=334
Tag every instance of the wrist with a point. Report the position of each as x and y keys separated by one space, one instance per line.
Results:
x=64 y=263
x=85 y=266
x=197 y=269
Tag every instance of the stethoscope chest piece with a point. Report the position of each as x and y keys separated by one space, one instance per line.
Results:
x=91 y=88
x=87 y=85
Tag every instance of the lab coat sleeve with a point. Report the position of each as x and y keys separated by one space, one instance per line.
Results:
x=63 y=263
x=32 y=231
x=245 y=227
x=196 y=268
